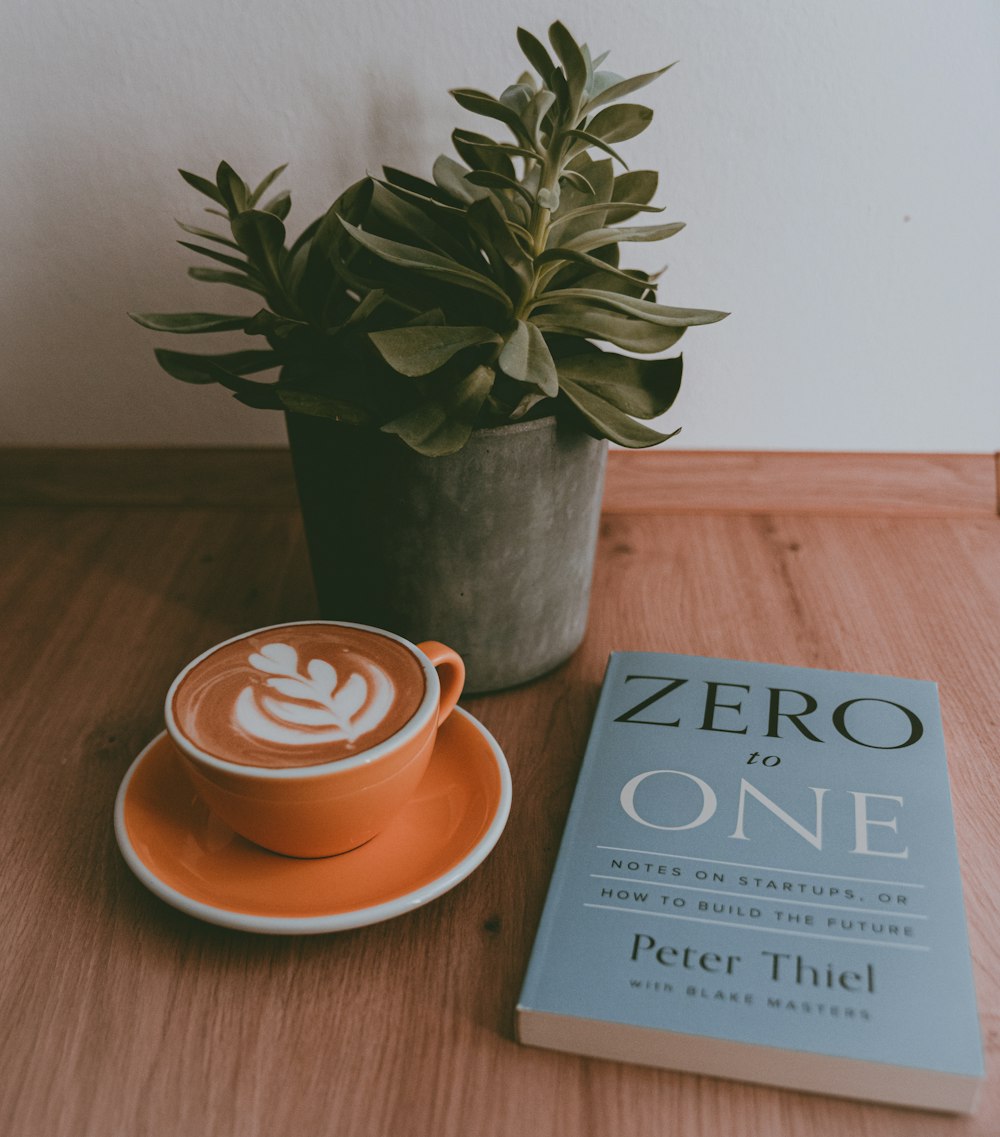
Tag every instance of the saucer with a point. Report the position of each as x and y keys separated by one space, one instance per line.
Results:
x=193 y=861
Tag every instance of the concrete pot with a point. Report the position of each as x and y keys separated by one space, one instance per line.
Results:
x=489 y=550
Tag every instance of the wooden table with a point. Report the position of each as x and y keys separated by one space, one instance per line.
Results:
x=121 y=1017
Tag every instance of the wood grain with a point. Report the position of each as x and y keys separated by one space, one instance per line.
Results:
x=259 y=477
x=912 y=485
x=681 y=481
x=123 y=1018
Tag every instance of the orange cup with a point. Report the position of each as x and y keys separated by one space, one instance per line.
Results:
x=320 y=810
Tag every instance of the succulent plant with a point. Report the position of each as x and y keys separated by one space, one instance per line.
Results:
x=430 y=308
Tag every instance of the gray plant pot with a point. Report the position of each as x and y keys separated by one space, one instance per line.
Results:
x=489 y=550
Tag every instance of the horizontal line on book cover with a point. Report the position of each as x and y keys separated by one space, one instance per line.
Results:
x=753 y=928
x=752 y=896
x=762 y=868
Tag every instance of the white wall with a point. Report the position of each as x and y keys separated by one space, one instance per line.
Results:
x=837 y=165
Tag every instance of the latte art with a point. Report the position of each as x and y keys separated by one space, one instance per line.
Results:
x=316 y=706
x=298 y=695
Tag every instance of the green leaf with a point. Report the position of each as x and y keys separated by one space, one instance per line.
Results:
x=192 y=368
x=450 y=176
x=479 y=152
x=333 y=243
x=599 y=207
x=223 y=258
x=516 y=214
x=565 y=253
x=353 y=385
x=329 y=254
x=431 y=207
x=432 y=317
x=311 y=279
x=369 y=304
x=442 y=424
x=416 y=185
x=625 y=87
x=428 y=263
x=574 y=64
x=305 y=237
x=517 y=96
x=620 y=123
x=415 y=222
x=593 y=140
x=233 y=190
x=520 y=231
x=491 y=180
x=203 y=185
x=589 y=63
x=600 y=177
x=625 y=332
x=602 y=81
x=611 y=235
x=635 y=185
x=526 y=357
x=564 y=113
x=267 y=323
x=266 y=184
x=261 y=395
x=630 y=187
x=220 y=276
x=609 y=278
x=188 y=323
x=528 y=401
x=262 y=237
x=643 y=309
x=323 y=406
x=641 y=387
x=609 y=420
x=534 y=115
x=578 y=181
x=450 y=217
x=502 y=248
x=536 y=53
x=280 y=205
x=599 y=172
x=207 y=235
x=482 y=104
x=419 y=350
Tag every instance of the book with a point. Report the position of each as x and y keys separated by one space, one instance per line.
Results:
x=759 y=880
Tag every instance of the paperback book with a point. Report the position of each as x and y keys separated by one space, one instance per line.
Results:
x=759 y=880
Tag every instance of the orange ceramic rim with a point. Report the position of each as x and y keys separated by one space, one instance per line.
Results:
x=195 y=863
x=413 y=725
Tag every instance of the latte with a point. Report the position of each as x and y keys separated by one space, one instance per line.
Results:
x=298 y=695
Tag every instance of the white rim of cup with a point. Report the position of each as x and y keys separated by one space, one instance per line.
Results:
x=413 y=725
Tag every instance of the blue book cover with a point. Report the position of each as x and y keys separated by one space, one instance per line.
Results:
x=759 y=880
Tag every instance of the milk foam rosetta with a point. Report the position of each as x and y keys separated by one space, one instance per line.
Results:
x=299 y=695
x=317 y=706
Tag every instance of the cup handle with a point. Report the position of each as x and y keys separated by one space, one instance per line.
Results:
x=451 y=671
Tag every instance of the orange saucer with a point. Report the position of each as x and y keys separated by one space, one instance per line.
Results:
x=190 y=859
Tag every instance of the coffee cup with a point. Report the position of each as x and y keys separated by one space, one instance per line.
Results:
x=308 y=738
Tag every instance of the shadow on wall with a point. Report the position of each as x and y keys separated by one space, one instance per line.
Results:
x=98 y=239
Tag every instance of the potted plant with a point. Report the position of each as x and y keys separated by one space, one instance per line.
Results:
x=453 y=355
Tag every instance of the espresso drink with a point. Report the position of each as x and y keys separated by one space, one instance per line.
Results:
x=298 y=695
